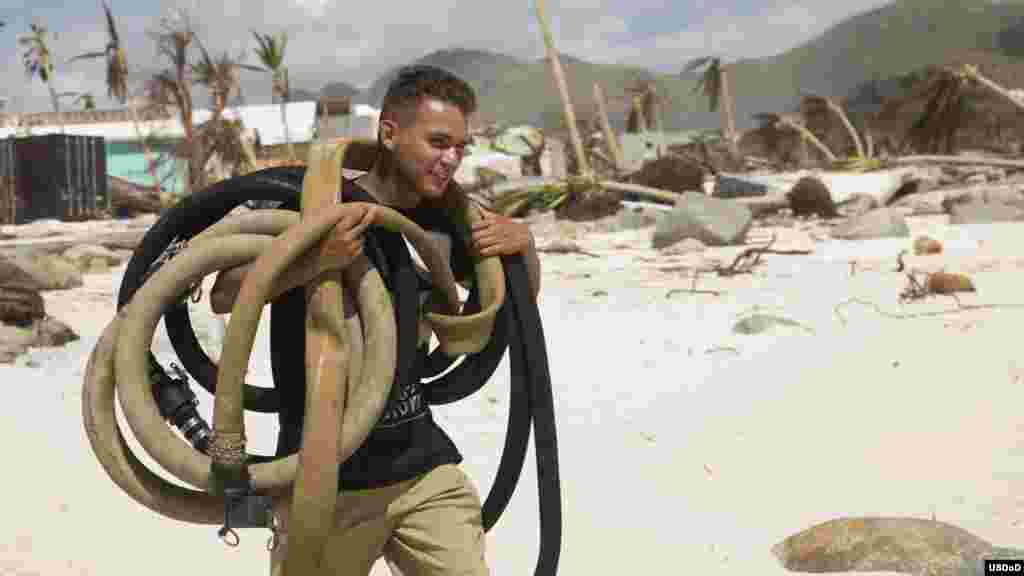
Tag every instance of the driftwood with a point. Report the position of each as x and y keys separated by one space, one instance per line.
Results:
x=125 y=194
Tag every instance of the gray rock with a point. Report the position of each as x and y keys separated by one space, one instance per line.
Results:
x=49 y=272
x=633 y=218
x=84 y=255
x=53 y=332
x=984 y=213
x=713 y=221
x=880 y=223
x=857 y=204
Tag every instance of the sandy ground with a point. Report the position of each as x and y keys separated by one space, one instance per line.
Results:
x=684 y=447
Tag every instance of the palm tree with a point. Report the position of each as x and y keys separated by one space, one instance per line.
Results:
x=172 y=87
x=221 y=77
x=87 y=101
x=814 y=103
x=117 y=65
x=271 y=55
x=946 y=103
x=974 y=74
x=779 y=121
x=714 y=82
x=38 y=61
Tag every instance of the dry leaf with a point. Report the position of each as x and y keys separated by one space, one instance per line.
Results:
x=924 y=245
x=948 y=283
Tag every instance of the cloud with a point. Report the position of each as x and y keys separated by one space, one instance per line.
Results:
x=331 y=40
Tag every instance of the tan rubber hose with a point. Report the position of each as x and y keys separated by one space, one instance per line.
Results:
x=119 y=360
x=114 y=454
x=315 y=490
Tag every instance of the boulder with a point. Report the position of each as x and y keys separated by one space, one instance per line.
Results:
x=984 y=213
x=20 y=306
x=878 y=223
x=713 y=221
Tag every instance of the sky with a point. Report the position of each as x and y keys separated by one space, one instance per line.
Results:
x=332 y=40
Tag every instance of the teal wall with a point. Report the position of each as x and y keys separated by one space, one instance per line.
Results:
x=128 y=160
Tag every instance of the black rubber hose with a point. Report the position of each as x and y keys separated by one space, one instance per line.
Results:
x=475 y=371
x=199 y=211
x=542 y=405
x=187 y=218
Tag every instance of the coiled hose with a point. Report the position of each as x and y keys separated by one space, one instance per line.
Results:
x=215 y=244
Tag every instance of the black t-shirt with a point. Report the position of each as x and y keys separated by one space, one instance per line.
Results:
x=406 y=441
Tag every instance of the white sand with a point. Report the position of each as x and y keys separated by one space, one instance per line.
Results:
x=675 y=457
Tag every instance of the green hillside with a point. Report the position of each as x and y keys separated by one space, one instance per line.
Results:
x=873 y=46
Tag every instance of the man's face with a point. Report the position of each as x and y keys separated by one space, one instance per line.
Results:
x=429 y=149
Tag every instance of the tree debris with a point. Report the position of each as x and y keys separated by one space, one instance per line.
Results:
x=745 y=261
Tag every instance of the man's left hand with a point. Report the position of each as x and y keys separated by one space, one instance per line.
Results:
x=496 y=235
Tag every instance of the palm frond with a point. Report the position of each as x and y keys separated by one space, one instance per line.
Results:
x=697 y=63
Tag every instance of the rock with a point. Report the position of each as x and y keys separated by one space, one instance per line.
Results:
x=713 y=221
x=919 y=180
x=43 y=332
x=49 y=272
x=13 y=275
x=671 y=173
x=20 y=305
x=685 y=246
x=53 y=332
x=984 y=213
x=810 y=197
x=17 y=337
x=83 y=256
x=633 y=218
x=999 y=194
x=879 y=223
x=924 y=245
x=857 y=204
x=923 y=204
x=887 y=544
x=976 y=179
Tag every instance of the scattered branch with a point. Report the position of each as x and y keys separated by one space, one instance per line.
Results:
x=745 y=261
x=898 y=316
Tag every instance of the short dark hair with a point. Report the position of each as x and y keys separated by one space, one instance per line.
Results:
x=413 y=83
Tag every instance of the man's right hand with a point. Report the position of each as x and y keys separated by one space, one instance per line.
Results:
x=342 y=246
x=345 y=241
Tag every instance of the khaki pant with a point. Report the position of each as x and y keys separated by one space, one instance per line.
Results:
x=430 y=525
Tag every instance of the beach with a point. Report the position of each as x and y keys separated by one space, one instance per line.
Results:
x=684 y=446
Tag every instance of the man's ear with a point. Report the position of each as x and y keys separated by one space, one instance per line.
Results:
x=388 y=129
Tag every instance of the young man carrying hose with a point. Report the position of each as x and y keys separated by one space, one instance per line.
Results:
x=405 y=496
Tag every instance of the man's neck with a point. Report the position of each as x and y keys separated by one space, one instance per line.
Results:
x=388 y=188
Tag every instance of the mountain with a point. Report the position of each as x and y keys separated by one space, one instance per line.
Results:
x=868 y=49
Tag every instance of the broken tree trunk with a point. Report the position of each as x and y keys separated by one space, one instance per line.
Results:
x=563 y=90
x=606 y=127
x=132 y=197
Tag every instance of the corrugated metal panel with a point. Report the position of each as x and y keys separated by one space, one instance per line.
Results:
x=59 y=177
x=8 y=183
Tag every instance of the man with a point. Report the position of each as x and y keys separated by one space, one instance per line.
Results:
x=405 y=497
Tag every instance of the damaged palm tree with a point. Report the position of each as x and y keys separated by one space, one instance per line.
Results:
x=38 y=61
x=582 y=195
x=271 y=55
x=782 y=122
x=172 y=87
x=714 y=82
x=814 y=103
x=221 y=137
